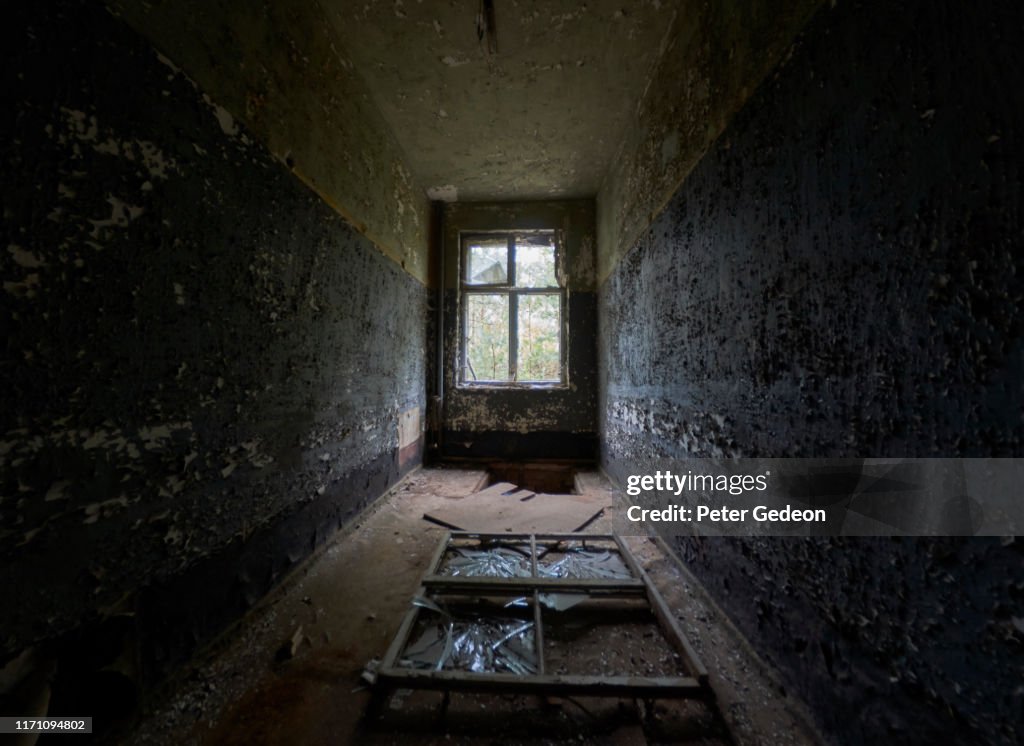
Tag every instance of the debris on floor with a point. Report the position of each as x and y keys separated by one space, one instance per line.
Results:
x=493 y=608
x=488 y=563
x=479 y=645
x=289 y=649
x=506 y=507
x=583 y=563
x=239 y=693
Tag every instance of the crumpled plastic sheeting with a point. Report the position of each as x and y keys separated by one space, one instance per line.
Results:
x=480 y=646
x=585 y=563
x=487 y=563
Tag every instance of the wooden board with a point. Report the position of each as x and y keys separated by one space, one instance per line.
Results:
x=498 y=488
x=492 y=511
x=521 y=495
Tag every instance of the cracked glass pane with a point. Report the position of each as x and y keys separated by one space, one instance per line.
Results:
x=487 y=261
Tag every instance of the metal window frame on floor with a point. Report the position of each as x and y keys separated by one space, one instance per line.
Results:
x=390 y=675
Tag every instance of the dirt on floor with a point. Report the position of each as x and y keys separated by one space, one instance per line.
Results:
x=290 y=672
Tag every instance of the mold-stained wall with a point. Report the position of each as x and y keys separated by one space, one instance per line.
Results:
x=207 y=369
x=518 y=421
x=712 y=60
x=279 y=67
x=840 y=276
x=539 y=119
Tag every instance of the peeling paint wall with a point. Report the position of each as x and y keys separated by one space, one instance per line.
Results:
x=840 y=276
x=207 y=369
x=712 y=60
x=281 y=69
x=517 y=422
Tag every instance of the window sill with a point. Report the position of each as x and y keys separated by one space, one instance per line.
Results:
x=513 y=386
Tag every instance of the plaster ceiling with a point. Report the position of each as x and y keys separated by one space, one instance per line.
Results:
x=540 y=118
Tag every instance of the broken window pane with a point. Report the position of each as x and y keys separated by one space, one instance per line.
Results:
x=535 y=261
x=539 y=322
x=493 y=563
x=472 y=643
x=487 y=261
x=583 y=563
x=486 y=337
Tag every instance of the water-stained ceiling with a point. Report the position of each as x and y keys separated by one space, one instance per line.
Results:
x=540 y=117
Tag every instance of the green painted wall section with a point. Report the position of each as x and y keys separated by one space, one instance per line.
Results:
x=717 y=55
x=278 y=67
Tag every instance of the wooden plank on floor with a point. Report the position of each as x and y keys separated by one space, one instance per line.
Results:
x=477 y=584
x=495 y=490
x=660 y=687
x=497 y=513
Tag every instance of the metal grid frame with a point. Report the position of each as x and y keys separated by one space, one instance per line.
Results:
x=695 y=685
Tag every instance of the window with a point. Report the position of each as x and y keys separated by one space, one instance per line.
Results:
x=512 y=308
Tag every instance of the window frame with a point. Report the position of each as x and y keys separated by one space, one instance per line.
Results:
x=513 y=293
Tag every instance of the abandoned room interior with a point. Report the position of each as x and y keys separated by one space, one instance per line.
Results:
x=305 y=300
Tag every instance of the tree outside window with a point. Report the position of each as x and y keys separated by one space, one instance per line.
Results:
x=511 y=309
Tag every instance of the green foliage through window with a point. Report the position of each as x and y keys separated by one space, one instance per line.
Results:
x=512 y=309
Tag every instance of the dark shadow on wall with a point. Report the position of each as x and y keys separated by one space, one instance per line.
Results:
x=206 y=369
x=840 y=277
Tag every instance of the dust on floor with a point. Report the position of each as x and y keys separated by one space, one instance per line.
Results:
x=289 y=673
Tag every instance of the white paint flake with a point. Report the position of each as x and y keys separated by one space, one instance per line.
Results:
x=224 y=119
x=24 y=258
x=445 y=193
x=121 y=214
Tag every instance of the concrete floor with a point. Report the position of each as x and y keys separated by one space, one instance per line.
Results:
x=343 y=608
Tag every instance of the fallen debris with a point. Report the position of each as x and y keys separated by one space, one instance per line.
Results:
x=288 y=650
x=491 y=563
x=476 y=622
x=506 y=507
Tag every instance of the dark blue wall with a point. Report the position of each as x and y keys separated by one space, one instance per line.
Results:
x=841 y=276
x=204 y=365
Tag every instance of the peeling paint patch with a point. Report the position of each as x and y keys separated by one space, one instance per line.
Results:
x=224 y=118
x=165 y=61
x=154 y=160
x=409 y=427
x=24 y=288
x=24 y=258
x=58 y=490
x=104 y=509
x=82 y=125
x=121 y=214
x=446 y=193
